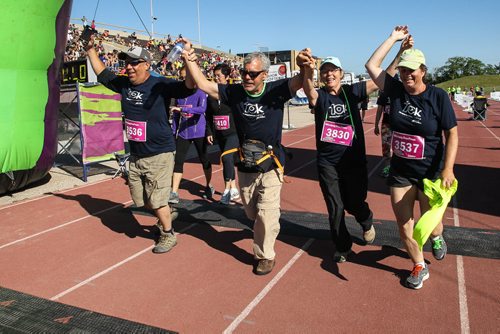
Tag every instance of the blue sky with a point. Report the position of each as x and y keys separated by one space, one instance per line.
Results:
x=350 y=30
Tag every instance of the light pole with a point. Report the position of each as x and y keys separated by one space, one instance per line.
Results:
x=153 y=19
x=199 y=30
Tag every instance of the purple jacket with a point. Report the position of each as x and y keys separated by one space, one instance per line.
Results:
x=192 y=116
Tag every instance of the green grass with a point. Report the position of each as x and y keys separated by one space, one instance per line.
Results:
x=488 y=82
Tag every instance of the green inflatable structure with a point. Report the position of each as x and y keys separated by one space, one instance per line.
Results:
x=33 y=38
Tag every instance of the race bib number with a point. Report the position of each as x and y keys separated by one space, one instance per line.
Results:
x=337 y=133
x=136 y=131
x=407 y=146
x=221 y=122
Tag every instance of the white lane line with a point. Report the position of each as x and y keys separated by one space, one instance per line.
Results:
x=462 y=293
x=267 y=288
x=58 y=192
x=62 y=225
x=109 y=269
x=494 y=135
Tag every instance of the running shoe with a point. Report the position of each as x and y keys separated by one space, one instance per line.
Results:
x=369 y=236
x=174 y=198
x=166 y=242
x=209 y=192
x=235 y=194
x=439 y=248
x=385 y=171
x=226 y=197
x=417 y=277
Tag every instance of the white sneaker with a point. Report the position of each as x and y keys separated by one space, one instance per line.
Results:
x=235 y=194
x=226 y=197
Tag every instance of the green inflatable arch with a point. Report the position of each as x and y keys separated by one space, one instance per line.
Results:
x=33 y=39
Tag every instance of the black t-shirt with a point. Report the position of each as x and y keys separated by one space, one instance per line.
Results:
x=335 y=108
x=259 y=116
x=215 y=107
x=425 y=115
x=147 y=104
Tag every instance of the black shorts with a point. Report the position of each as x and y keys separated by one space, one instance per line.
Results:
x=397 y=180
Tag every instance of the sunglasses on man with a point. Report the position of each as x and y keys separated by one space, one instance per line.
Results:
x=134 y=62
x=251 y=74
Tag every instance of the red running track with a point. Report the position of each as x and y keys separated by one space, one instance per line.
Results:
x=82 y=248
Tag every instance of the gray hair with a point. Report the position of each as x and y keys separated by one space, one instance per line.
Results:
x=266 y=63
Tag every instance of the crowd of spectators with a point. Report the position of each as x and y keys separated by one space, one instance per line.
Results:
x=159 y=48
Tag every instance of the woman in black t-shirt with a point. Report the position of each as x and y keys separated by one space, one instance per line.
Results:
x=341 y=156
x=220 y=126
x=420 y=114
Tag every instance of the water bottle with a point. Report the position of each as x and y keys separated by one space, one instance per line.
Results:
x=175 y=53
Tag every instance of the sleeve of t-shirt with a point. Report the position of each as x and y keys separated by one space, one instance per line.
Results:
x=176 y=89
x=359 y=91
x=111 y=80
x=225 y=93
x=321 y=96
x=382 y=100
x=212 y=105
x=281 y=87
x=392 y=86
x=448 y=118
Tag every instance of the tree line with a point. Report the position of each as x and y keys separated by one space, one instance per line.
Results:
x=457 y=67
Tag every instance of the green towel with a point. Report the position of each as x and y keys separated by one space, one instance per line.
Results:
x=439 y=198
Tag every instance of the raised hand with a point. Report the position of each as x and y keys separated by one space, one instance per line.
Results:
x=407 y=43
x=400 y=32
x=304 y=57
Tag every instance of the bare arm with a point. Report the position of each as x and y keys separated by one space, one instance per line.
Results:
x=96 y=63
x=373 y=65
x=447 y=175
x=308 y=77
x=194 y=73
x=406 y=44
x=376 y=129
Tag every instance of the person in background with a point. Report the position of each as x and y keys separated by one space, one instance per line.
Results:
x=420 y=114
x=188 y=125
x=220 y=126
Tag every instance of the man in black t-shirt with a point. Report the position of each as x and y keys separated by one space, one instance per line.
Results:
x=144 y=104
x=257 y=107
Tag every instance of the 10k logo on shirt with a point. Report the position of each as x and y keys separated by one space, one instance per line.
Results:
x=135 y=96
x=413 y=112
x=336 y=111
x=253 y=111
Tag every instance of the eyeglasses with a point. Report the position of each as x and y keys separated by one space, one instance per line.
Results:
x=251 y=74
x=134 y=63
x=326 y=70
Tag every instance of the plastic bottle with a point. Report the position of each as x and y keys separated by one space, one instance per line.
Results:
x=175 y=53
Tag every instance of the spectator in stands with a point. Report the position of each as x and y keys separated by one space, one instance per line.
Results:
x=257 y=107
x=188 y=125
x=420 y=115
x=152 y=146
x=341 y=153
x=220 y=126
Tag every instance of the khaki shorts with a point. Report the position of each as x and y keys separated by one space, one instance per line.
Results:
x=150 y=179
